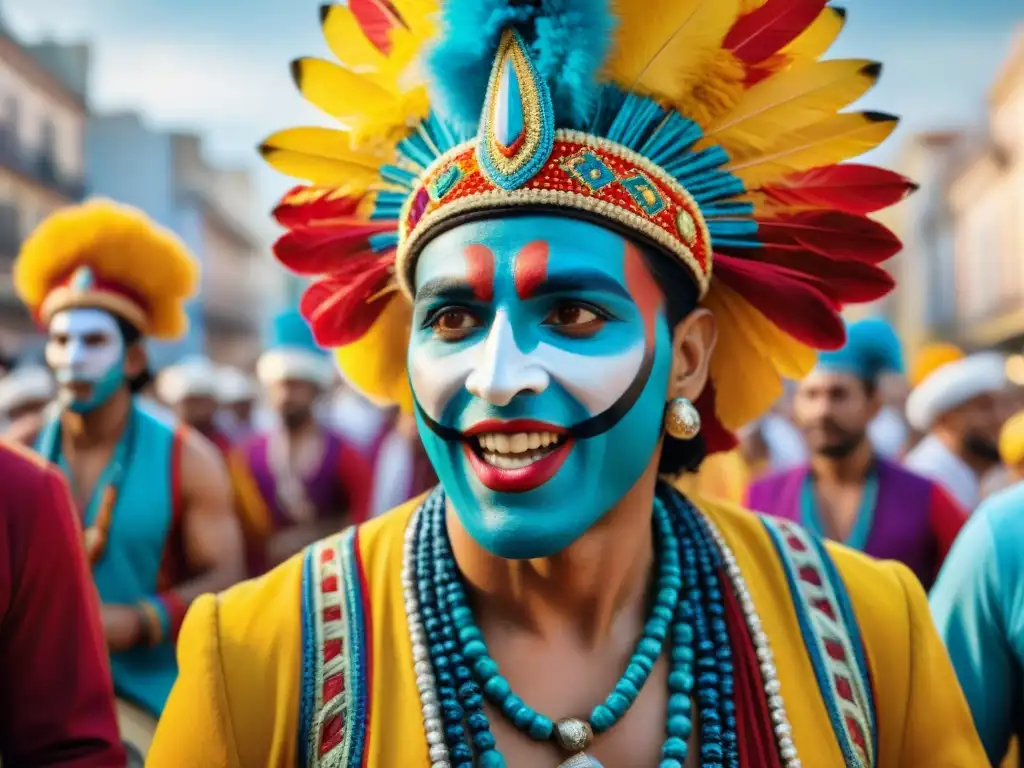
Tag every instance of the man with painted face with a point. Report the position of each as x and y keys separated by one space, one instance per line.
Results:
x=848 y=492
x=959 y=408
x=299 y=480
x=520 y=254
x=154 y=496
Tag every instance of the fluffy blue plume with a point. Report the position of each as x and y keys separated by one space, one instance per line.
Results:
x=568 y=41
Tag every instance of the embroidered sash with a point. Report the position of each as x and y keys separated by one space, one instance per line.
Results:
x=832 y=638
x=334 y=710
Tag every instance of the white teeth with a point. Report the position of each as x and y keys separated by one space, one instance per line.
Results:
x=520 y=442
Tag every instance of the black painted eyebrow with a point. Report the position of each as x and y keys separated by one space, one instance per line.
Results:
x=450 y=288
x=579 y=283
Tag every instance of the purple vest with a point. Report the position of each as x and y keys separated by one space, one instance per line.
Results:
x=902 y=526
x=324 y=488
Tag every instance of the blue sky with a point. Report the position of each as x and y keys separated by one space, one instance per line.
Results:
x=221 y=66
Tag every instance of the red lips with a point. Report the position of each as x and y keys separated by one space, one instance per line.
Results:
x=524 y=478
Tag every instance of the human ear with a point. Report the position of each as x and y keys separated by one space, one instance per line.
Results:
x=693 y=342
x=134 y=361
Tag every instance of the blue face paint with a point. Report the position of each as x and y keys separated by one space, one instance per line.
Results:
x=85 y=347
x=529 y=333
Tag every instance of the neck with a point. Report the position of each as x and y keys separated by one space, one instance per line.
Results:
x=593 y=588
x=102 y=425
x=852 y=468
x=300 y=430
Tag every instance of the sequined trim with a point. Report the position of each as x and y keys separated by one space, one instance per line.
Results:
x=832 y=639
x=583 y=172
x=335 y=706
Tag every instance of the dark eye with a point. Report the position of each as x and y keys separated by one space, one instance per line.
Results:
x=575 y=319
x=453 y=323
x=96 y=339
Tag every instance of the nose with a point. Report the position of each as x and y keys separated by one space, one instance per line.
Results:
x=502 y=371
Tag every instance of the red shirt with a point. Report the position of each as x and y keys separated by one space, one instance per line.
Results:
x=56 y=695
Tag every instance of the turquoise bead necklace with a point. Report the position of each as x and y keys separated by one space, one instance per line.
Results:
x=687 y=611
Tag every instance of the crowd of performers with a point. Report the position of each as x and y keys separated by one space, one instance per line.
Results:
x=581 y=248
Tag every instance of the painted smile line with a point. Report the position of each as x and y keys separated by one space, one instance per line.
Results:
x=515 y=456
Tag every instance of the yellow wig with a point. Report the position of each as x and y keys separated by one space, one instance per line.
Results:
x=109 y=256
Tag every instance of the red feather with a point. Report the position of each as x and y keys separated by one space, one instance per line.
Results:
x=797 y=308
x=306 y=207
x=845 y=282
x=836 y=234
x=316 y=254
x=849 y=187
x=766 y=30
x=342 y=308
x=377 y=18
x=716 y=437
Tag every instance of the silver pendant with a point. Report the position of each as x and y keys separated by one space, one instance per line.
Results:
x=581 y=761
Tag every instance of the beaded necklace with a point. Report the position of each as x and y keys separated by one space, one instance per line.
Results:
x=454 y=672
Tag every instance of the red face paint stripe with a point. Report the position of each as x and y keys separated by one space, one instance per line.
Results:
x=480 y=271
x=531 y=268
x=644 y=289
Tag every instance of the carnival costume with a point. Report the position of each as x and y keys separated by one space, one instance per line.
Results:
x=902 y=516
x=688 y=127
x=104 y=256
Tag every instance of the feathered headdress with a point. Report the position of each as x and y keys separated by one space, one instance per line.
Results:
x=110 y=256
x=708 y=129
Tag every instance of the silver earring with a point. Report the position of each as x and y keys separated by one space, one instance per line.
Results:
x=682 y=420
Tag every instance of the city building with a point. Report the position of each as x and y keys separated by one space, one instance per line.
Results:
x=167 y=175
x=987 y=200
x=42 y=146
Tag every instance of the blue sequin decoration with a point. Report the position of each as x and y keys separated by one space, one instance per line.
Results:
x=644 y=193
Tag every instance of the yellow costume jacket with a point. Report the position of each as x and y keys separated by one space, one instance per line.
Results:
x=254 y=689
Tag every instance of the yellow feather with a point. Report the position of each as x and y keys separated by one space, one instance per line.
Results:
x=342 y=93
x=662 y=46
x=347 y=42
x=833 y=140
x=766 y=351
x=375 y=365
x=792 y=99
x=317 y=169
x=818 y=37
x=327 y=143
x=714 y=90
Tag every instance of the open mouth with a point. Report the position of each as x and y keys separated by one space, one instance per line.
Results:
x=515 y=456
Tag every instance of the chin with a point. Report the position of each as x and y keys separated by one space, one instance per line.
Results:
x=521 y=534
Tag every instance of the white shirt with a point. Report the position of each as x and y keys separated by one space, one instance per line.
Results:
x=932 y=459
x=786 y=446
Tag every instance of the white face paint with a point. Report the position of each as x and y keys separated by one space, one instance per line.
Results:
x=85 y=346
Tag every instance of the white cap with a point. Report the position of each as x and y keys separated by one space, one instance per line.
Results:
x=194 y=377
x=235 y=386
x=297 y=364
x=25 y=385
x=951 y=385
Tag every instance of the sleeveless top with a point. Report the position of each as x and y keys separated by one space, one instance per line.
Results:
x=143 y=553
x=338 y=623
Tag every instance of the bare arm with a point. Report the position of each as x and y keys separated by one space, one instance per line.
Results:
x=210 y=529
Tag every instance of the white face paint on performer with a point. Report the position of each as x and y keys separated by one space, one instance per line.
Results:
x=86 y=352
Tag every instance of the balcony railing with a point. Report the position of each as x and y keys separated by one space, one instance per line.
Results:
x=41 y=167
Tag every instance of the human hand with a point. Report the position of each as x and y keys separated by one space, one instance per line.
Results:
x=122 y=626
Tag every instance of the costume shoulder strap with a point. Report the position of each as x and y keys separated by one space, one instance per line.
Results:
x=832 y=638
x=335 y=655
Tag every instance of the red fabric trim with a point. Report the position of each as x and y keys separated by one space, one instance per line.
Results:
x=172 y=563
x=947 y=518
x=364 y=591
x=176 y=609
x=754 y=731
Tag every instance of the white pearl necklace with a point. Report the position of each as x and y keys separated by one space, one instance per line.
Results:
x=762 y=647
x=426 y=683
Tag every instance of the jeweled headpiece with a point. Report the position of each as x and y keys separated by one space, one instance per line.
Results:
x=706 y=129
